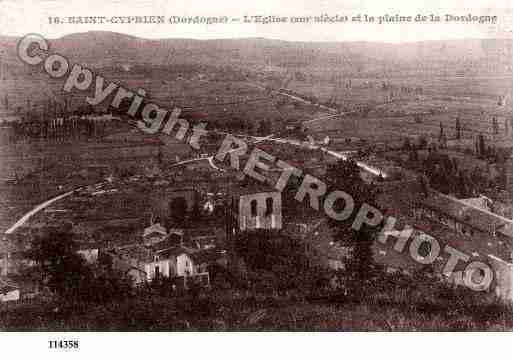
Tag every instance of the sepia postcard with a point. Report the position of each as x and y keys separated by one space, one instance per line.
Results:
x=172 y=169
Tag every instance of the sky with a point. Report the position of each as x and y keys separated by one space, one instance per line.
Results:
x=19 y=17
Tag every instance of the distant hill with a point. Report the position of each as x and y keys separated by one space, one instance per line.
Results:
x=103 y=49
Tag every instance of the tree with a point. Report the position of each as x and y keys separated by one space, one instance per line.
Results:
x=289 y=202
x=495 y=125
x=178 y=209
x=424 y=184
x=407 y=145
x=196 y=213
x=265 y=127
x=422 y=142
x=361 y=271
x=62 y=269
x=413 y=156
x=160 y=157
x=481 y=146
x=463 y=184
x=66 y=273
x=276 y=261
x=250 y=127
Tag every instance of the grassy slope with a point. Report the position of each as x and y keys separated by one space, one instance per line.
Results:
x=399 y=311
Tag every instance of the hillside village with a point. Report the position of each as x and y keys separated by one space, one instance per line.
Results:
x=152 y=211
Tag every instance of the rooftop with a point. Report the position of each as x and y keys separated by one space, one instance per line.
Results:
x=467 y=213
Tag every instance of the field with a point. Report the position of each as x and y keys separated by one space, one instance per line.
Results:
x=425 y=309
x=228 y=94
x=473 y=100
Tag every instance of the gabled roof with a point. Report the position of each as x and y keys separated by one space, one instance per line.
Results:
x=166 y=244
x=174 y=252
x=176 y=231
x=7 y=286
x=156 y=228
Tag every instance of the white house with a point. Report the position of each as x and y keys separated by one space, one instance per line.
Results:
x=173 y=263
x=9 y=292
x=180 y=263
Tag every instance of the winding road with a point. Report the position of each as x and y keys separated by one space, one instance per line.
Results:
x=36 y=210
x=340 y=155
x=332 y=113
x=210 y=159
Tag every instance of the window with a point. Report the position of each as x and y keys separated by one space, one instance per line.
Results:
x=157 y=272
x=268 y=206
x=253 y=205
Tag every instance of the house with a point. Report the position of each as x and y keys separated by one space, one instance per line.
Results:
x=183 y=264
x=89 y=251
x=204 y=237
x=464 y=216
x=473 y=230
x=8 y=291
x=173 y=262
x=166 y=259
x=131 y=260
x=154 y=234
